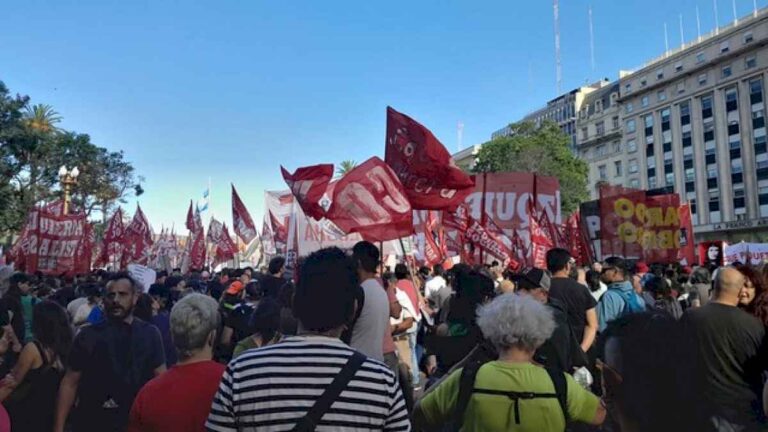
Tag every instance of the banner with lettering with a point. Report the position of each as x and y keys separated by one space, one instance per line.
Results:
x=746 y=253
x=636 y=226
x=51 y=243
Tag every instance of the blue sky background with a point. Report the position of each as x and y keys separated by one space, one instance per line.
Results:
x=231 y=90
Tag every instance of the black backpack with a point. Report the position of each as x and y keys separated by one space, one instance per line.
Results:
x=467 y=388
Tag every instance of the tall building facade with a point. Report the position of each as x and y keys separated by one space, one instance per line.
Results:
x=694 y=121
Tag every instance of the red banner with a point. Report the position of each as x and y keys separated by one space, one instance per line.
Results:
x=241 y=219
x=371 y=201
x=197 y=250
x=193 y=219
x=686 y=255
x=541 y=241
x=435 y=241
x=52 y=243
x=425 y=168
x=225 y=248
x=308 y=185
x=279 y=234
x=633 y=225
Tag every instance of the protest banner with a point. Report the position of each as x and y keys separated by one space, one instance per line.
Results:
x=50 y=243
x=144 y=275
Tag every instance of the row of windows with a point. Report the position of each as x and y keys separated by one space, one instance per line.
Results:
x=679 y=66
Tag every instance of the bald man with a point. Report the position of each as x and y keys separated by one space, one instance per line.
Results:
x=724 y=347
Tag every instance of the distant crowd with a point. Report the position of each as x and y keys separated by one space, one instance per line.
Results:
x=349 y=344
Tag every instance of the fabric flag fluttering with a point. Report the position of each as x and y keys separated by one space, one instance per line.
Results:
x=308 y=185
x=431 y=179
x=241 y=219
x=370 y=200
x=113 y=236
x=137 y=240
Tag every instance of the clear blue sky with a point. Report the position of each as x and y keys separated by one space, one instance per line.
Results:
x=231 y=90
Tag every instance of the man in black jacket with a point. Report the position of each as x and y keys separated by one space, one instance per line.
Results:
x=562 y=350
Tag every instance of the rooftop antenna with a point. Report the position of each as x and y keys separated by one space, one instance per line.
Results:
x=717 y=20
x=460 y=134
x=735 y=17
x=558 y=65
x=591 y=39
x=698 y=25
x=682 y=35
x=666 y=41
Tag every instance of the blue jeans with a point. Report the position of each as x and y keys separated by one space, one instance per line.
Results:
x=414 y=358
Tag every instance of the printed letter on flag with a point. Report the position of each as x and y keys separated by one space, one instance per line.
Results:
x=308 y=184
x=243 y=224
x=431 y=179
x=371 y=201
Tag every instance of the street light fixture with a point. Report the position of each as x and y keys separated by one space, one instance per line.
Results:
x=68 y=178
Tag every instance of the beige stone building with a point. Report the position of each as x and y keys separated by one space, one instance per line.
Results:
x=694 y=120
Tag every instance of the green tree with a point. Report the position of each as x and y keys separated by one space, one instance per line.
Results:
x=33 y=147
x=544 y=150
x=345 y=167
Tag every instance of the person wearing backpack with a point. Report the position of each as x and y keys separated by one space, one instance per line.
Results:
x=512 y=393
x=620 y=299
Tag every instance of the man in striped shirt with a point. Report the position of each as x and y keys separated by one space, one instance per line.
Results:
x=274 y=388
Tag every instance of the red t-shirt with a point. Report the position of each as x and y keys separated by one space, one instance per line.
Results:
x=178 y=400
x=408 y=287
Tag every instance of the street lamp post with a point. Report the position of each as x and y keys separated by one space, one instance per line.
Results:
x=68 y=178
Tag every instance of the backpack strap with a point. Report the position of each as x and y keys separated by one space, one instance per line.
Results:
x=309 y=422
x=561 y=389
x=466 y=388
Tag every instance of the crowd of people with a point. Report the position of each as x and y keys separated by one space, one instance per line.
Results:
x=349 y=344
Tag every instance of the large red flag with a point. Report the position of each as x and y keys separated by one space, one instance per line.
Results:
x=112 y=243
x=434 y=241
x=225 y=248
x=137 y=240
x=308 y=184
x=371 y=201
x=193 y=220
x=540 y=241
x=241 y=219
x=687 y=247
x=428 y=173
x=197 y=250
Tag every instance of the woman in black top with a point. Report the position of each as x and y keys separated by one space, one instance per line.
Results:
x=29 y=391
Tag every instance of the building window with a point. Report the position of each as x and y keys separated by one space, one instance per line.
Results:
x=670 y=178
x=600 y=150
x=584 y=134
x=762 y=198
x=617 y=147
x=679 y=66
x=681 y=87
x=703 y=79
x=627 y=87
x=685 y=114
x=687 y=141
x=660 y=74
x=601 y=172
x=600 y=128
x=731 y=102
x=644 y=101
x=706 y=107
x=750 y=62
x=631 y=146
x=748 y=37
x=633 y=167
x=661 y=96
x=628 y=108
x=617 y=167
x=651 y=182
x=631 y=126
x=700 y=57
x=634 y=183
x=643 y=82
x=615 y=121
x=756 y=91
x=725 y=47
x=733 y=129
x=599 y=106
x=726 y=71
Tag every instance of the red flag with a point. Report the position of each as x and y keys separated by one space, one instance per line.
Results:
x=241 y=219
x=540 y=242
x=197 y=250
x=113 y=236
x=137 y=240
x=487 y=241
x=428 y=173
x=225 y=247
x=371 y=201
x=193 y=219
x=434 y=242
x=279 y=234
x=308 y=184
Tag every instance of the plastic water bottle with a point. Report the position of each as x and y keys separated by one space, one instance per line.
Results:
x=583 y=377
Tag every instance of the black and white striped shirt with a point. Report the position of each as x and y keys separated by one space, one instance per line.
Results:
x=271 y=388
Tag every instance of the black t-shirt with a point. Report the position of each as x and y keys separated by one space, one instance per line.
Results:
x=271 y=285
x=115 y=360
x=725 y=347
x=559 y=351
x=577 y=300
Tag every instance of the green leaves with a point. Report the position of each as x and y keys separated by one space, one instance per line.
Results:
x=546 y=151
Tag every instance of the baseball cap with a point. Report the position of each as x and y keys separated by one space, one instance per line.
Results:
x=532 y=278
x=235 y=287
x=641 y=267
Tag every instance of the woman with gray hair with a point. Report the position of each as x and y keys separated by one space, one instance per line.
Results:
x=180 y=399
x=512 y=393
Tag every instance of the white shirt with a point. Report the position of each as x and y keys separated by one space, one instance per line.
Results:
x=408 y=311
x=433 y=286
x=599 y=293
x=368 y=332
